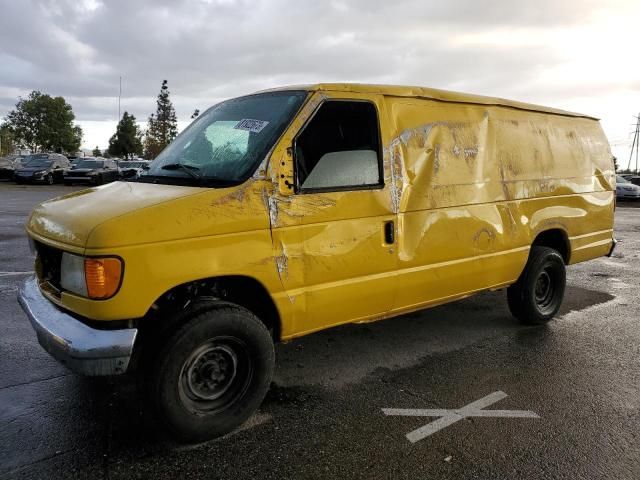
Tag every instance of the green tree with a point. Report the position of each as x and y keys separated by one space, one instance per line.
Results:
x=162 y=126
x=7 y=145
x=127 y=141
x=44 y=123
x=96 y=152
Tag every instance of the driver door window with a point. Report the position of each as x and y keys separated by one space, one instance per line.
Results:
x=339 y=149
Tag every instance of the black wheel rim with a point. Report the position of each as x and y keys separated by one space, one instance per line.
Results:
x=215 y=375
x=545 y=289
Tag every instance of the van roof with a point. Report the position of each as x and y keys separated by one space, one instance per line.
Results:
x=430 y=93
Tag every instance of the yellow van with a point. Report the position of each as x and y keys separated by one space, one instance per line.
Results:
x=289 y=211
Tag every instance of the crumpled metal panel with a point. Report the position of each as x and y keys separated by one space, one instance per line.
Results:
x=478 y=183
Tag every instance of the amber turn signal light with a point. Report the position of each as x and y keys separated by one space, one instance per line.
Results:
x=102 y=276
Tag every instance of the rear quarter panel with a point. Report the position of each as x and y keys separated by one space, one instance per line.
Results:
x=476 y=185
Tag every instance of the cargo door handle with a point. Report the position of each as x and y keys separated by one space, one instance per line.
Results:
x=389 y=233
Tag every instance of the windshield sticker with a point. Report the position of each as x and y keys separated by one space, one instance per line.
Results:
x=251 y=125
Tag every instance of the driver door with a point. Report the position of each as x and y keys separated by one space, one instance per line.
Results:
x=334 y=234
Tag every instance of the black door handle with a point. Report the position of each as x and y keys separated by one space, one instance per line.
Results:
x=389 y=233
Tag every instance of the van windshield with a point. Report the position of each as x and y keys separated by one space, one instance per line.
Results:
x=227 y=142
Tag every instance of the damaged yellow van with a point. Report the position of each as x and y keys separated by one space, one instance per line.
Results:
x=289 y=211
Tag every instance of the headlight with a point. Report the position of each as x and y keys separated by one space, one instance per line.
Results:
x=39 y=174
x=97 y=278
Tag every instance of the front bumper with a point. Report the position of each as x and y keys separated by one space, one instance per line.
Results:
x=629 y=195
x=80 y=179
x=85 y=350
x=30 y=179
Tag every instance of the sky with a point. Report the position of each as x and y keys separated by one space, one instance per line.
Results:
x=579 y=55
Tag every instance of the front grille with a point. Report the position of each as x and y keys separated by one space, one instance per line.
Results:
x=48 y=263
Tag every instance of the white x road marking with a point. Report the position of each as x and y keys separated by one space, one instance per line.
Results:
x=449 y=417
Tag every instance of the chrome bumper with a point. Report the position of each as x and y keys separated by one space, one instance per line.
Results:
x=83 y=349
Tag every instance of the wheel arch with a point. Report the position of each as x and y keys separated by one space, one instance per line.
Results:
x=241 y=290
x=555 y=238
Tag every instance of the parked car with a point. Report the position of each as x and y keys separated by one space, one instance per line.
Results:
x=9 y=164
x=6 y=168
x=626 y=176
x=626 y=189
x=365 y=203
x=132 y=168
x=92 y=170
x=42 y=168
x=635 y=180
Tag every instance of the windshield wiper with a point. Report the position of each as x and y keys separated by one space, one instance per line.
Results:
x=190 y=169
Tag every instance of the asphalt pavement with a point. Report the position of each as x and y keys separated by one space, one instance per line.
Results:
x=578 y=378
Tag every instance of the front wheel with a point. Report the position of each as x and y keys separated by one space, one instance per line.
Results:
x=212 y=373
x=49 y=179
x=537 y=295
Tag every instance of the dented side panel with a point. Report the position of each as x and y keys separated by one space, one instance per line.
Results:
x=477 y=183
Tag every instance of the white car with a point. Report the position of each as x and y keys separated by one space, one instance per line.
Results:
x=132 y=168
x=626 y=189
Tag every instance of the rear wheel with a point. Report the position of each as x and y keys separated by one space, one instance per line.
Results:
x=537 y=295
x=212 y=373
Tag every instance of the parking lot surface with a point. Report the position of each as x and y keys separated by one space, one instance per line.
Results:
x=324 y=417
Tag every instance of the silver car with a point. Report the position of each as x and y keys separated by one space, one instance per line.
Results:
x=626 y=189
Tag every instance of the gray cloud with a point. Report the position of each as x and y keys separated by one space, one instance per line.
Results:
x=213 y=49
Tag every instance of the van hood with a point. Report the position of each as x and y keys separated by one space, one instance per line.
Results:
x=127 y=213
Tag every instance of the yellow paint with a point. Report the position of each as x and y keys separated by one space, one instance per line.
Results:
x=469 y=183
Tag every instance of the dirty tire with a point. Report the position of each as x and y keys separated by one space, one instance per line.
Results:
x=212 y=373
x=537 y=295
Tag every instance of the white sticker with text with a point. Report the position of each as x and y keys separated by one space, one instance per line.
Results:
x=251 y=125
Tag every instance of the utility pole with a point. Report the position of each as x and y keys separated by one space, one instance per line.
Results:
x=635 y=145
x=119 y=95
